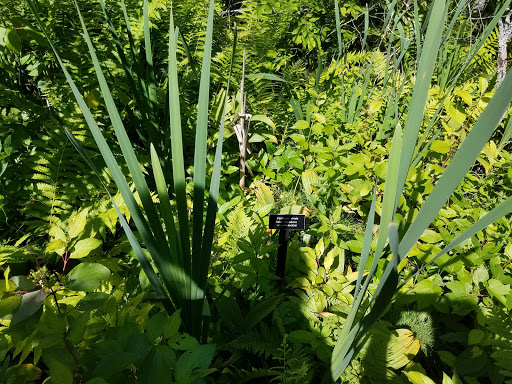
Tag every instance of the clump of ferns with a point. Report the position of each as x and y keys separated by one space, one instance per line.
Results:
x=420 y=323
x=294 y=364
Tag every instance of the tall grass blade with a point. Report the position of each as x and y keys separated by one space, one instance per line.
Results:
x=417 y=31
x=150 y=83
x=421 y=87
x=190 y=58
x=389 y=201
x=338 y=29
x=167 y=214
x=135 y=88
x=133 y=51
x=343 y=352
x=200 y=166
x=178 y=163
x=366 y=26
x=213 y=196
x=367 y=242
x=507 y=134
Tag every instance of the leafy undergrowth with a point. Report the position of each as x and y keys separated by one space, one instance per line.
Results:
x=76 y=307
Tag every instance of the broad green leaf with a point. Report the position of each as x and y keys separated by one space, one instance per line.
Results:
x=262 y=310
x=440 y=146
x=183 y=342
x=498 y=290
x=55 y=245
x=9 y=304
x=430 y=236
x=60 y=363
x=465 y=95
x=296 y=162
x=84 y=247
x=87 y=276
x=418 y=378
x=57 y=233
x=172 y=325
x=309 y=180
x=194 y=362
x=156 y=367
x=264 y=119
x=447 y=357
x=301 y=124
x=447 y=379
x=475 y=336
x=77 y=223
x=277 y=162
x=77 y=327
x=12 y=40
x=92 y=301
x=30 y=303
x=23 y=373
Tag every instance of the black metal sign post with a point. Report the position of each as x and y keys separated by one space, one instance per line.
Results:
x=285 y=223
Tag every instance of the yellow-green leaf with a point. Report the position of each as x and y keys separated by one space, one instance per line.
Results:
x=57 y=233
x=301 y=124
x=84 y=247
x=77 y=223
x=418 y=378
x=465 y=95
x=320 y=118
x=440 y=146
x=429 y=236
x=309 y=179
x=264 y=119
x=55 y=246
x=374 y=106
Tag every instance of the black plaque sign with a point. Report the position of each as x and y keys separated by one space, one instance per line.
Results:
x=287 y=221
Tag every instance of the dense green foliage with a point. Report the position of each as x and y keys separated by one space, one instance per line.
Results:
x=326 y=103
